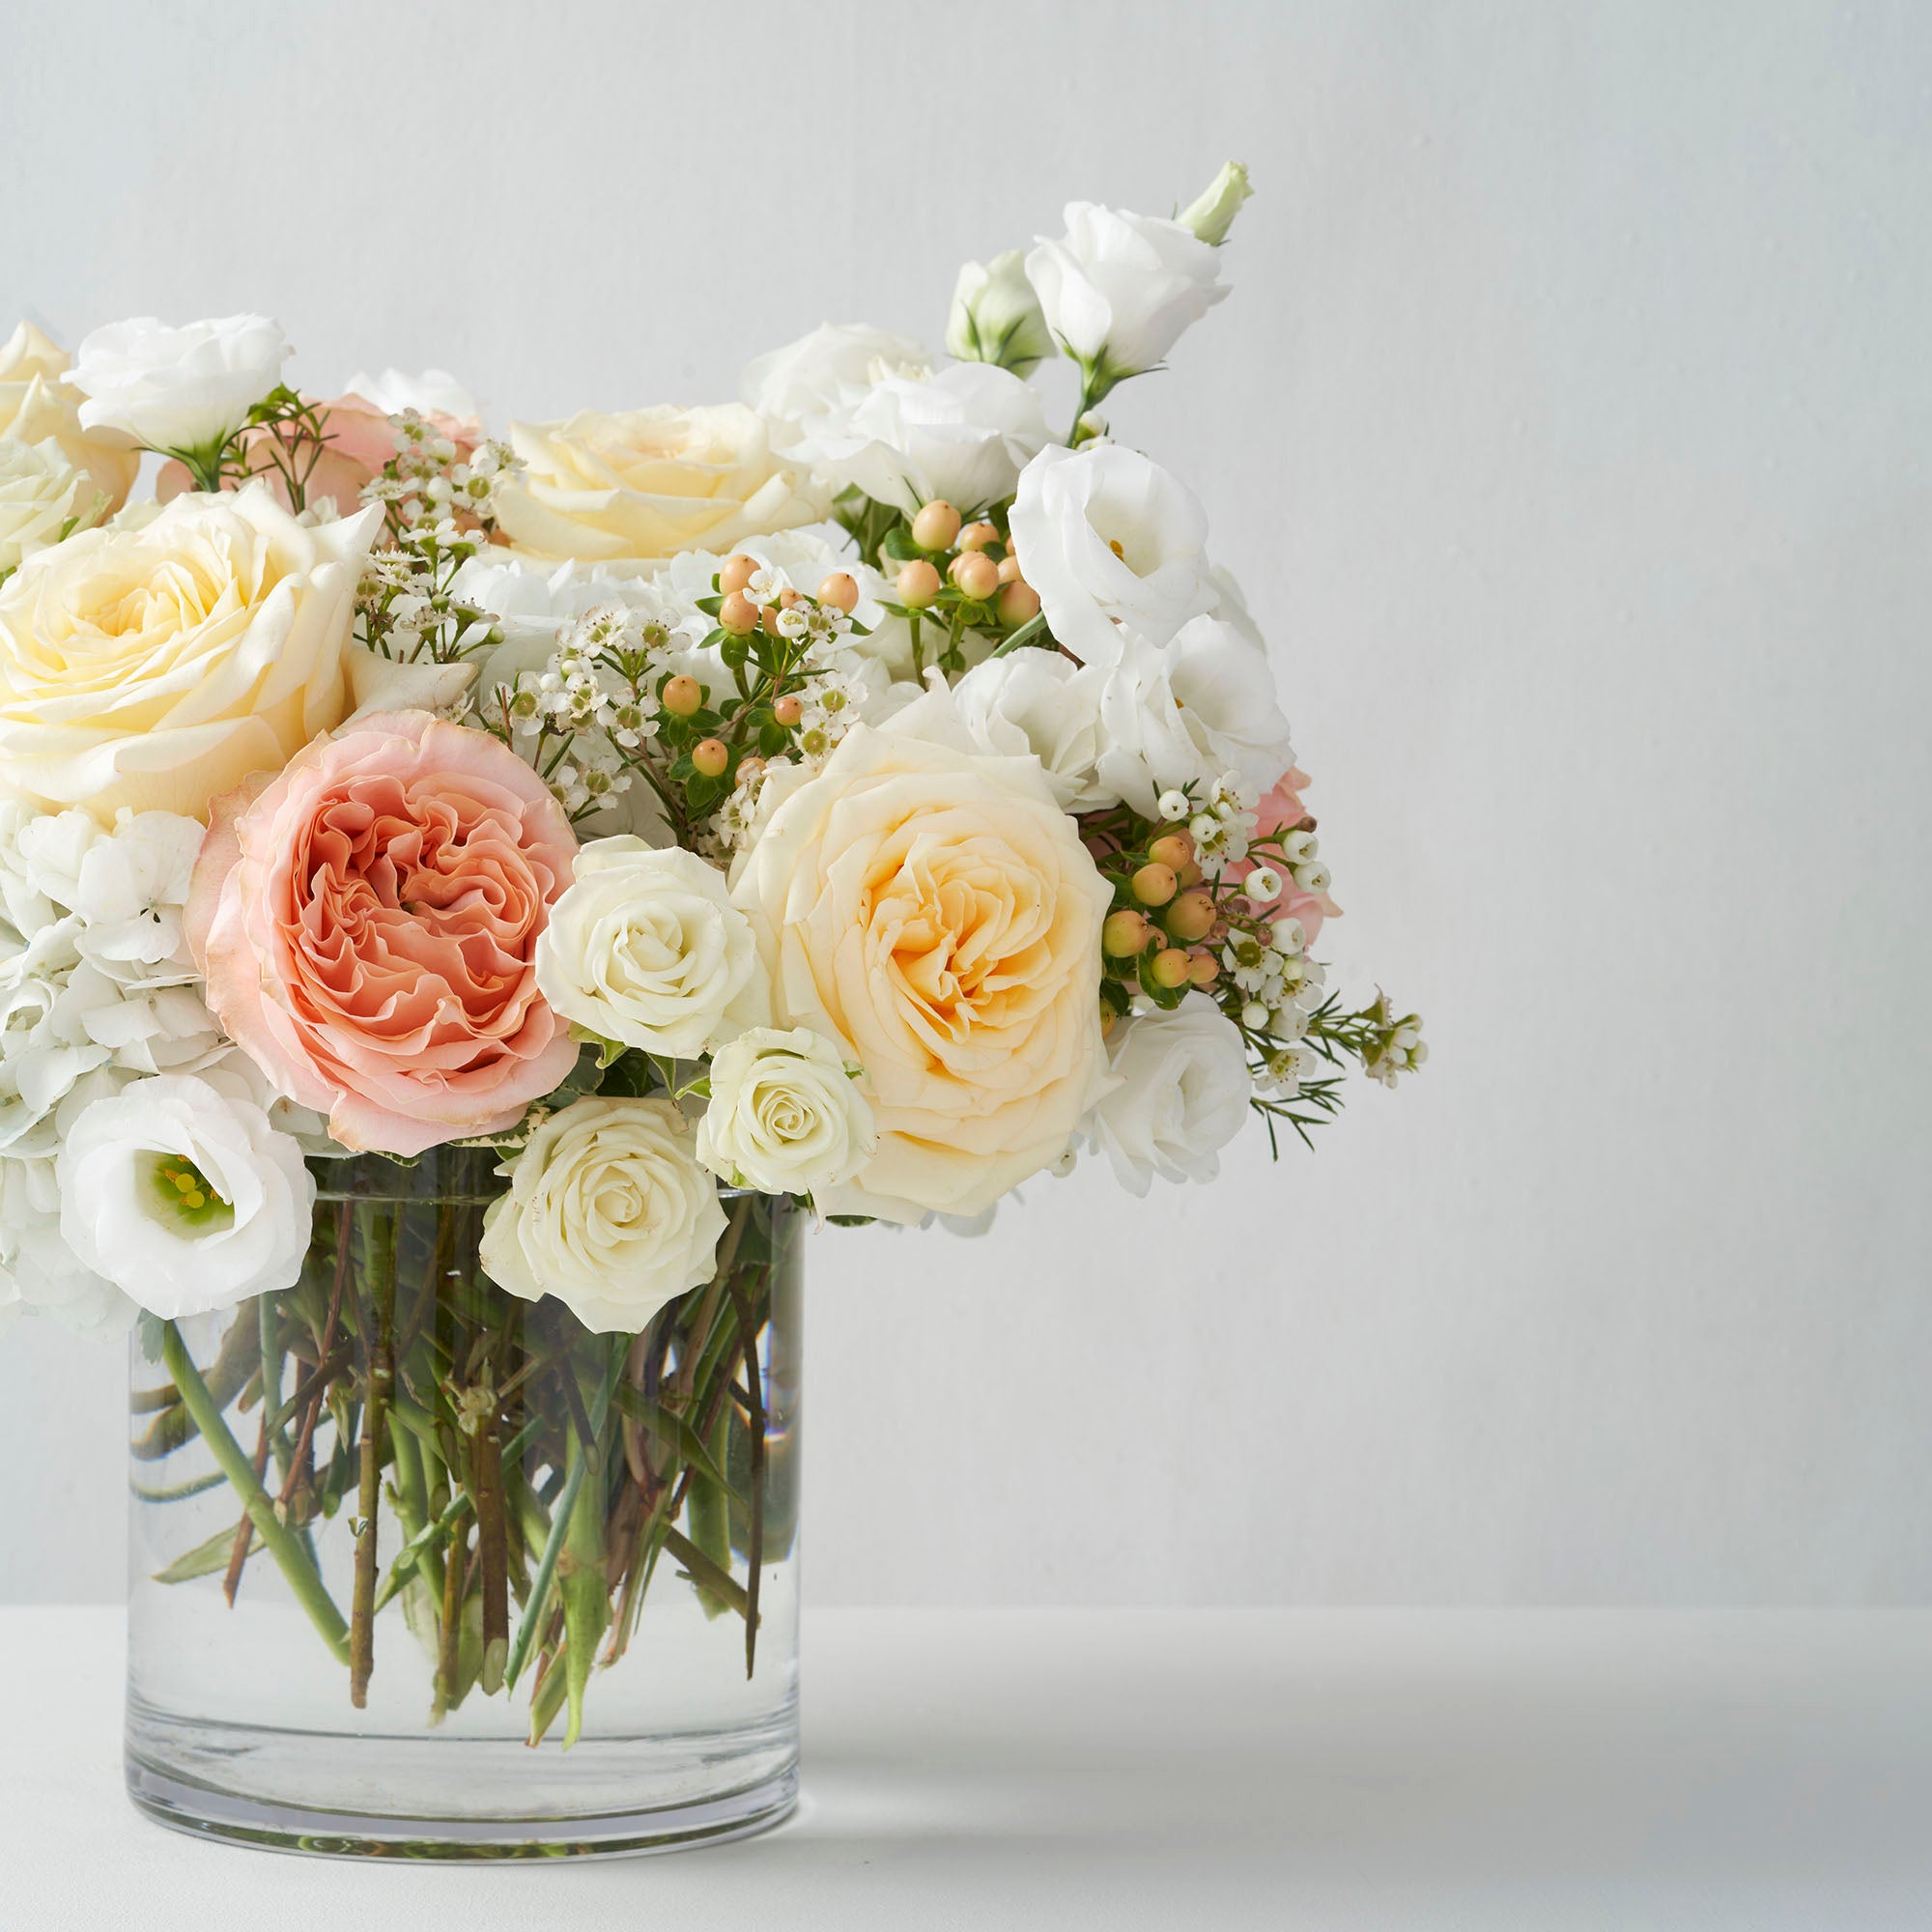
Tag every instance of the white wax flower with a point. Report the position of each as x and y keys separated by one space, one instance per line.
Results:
x=1182 y=1095
x=1039 y=702
x=825 y=372
x=1117 y=289
x=1107 y=536
x=42 y=497
x=786 y=1115
x=1188 y=714
x=646 y=949
x=181 y=389
x=180 y=1191
x=609 y=1211
x=963 y=435
x=996 y=316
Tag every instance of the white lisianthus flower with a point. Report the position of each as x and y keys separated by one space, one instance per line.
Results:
x=1202 y=707
x=1106 y=536
x=609 y=1211
x=436 y=392
x=646 y=948
x=996 y=316
x=1043 y=703
x=786 y=1115
x=1117 y=289
x=825 y=373
x=963 y=435
x=180 y=1191
x=1182 y=1095
x=183 y=391
x=40 y=1274
x=43 y=498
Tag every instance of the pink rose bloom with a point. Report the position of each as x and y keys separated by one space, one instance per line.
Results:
x=367 y=921
x=1280 y=810
x=361 y=440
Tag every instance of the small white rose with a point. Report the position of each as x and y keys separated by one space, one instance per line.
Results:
x=1182 y=1095
x=184 y=390
x=1043 y=704
x=609 y=1211
x=1106 y=536
x=646 y=949
x=784 y=1117
x=996 y=316
x=180 y=1192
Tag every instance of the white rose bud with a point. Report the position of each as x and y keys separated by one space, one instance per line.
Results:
x=784 y=1117
x=996 y=316
x=183 y=391
x=606 y=1210
x=180 y=1192
x=1212 y=213
x=646 y=948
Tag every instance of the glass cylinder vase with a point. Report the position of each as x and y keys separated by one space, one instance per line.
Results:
x=418 y=1568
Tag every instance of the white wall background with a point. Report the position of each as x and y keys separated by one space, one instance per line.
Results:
x=1568 y=425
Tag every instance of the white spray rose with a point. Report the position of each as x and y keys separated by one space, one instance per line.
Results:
x=39 y=1272
x=1182 y=1094
x=963 y=435
x=186 y=390
x=1186 y=714
x=786 y=1115
x=43 y=498
x=180 y=1191
x=646 y=949
x=609 y=1211
x=825 y=373
x=1043 y=703
x=996 y=316
x=1119 y=289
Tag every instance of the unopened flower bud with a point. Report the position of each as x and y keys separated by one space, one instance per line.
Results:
x=1173 y=848
x=736 y=572
x=840 y=591
x=682 y=695
x=1172 y=806
x=1170 y=969
x=1296 y=846
x=1212 y=213
x=1124 y=935
x=1261 y=886
x=977 y=536
x=996 y=316
x=936 y=525
x=1191 y=916
x=977 y=575
x=710 y=756
x=1313 y=878
x=1153 y=884
x=1289 y=936
x=918 y=582
x=1019 y=603
x=738 y=615
x=789 y=710
x=1255 y=1016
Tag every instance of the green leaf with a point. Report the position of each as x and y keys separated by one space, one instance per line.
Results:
x=207 y=1560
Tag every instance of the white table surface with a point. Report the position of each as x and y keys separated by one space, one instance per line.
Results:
x=1500 y=1772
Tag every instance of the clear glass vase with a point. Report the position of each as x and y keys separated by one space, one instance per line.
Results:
x=420 y=1569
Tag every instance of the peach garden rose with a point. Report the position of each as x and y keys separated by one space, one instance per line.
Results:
x=368 y=920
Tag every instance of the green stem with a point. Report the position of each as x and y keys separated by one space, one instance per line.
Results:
x=277 y=1537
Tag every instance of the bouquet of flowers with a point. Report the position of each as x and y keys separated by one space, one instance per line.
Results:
x=459 y=893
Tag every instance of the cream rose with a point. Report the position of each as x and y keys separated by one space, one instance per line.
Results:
x=157 y=668
x=608 y=1211
x=932 y=912
x=786 y=1115
x=645 y=484
x=36 y=403
x=41 y=496
x=646 y=949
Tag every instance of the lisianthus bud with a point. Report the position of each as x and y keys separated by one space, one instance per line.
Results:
x=996 y=316
x=840 y=591
x=1155 y=884
x=1212 y=214
x=977 y=536
x=682 y=695
x=738 y=615
x=1019 y=603
x=918 y=585
x=1170 y=969
x=976 y=574
x=1125 y=934
x=936 y=525
x=736 y=572
x=789 y=710
x=710 y=756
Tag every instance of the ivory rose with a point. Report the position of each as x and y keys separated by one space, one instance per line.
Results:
x=367 y=920
x=42 y=497
x=645 y=484
x=786 y=1115
x=37 y=402
x=159 y=666
x=609 y=1211
x=931 y=911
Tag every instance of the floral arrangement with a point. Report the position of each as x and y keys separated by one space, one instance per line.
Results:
x=856 y=794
